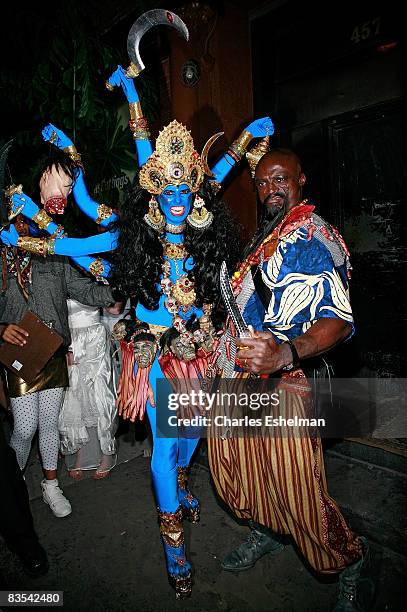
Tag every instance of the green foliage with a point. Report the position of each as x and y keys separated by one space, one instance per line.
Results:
x=62 y=82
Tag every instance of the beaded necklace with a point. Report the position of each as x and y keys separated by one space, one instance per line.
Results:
x=181 y=294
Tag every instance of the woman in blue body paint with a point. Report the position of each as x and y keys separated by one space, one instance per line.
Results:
x=173 y=235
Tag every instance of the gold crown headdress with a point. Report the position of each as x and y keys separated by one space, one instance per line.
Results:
x=175 y=161
x=256 y=153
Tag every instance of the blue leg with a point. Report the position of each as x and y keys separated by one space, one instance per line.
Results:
x=189 y=503
x=164 y=477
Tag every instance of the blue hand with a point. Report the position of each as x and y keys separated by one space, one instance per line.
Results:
x=261 y=127
x=56 y=136
x=22 y=203
x=9 y=237
x=119 y=79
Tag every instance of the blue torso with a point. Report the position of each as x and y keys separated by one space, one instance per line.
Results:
x=161 y=316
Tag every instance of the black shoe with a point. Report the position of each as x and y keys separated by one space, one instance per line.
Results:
x=356 y=587
x=260 y=542
x=34 y=562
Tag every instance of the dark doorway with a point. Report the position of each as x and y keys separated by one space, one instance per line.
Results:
x=368 y=180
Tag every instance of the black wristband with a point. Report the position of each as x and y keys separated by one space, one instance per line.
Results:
x=296 y=358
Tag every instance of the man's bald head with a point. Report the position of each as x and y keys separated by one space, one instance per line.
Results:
x=279 y=179
x=287 y=154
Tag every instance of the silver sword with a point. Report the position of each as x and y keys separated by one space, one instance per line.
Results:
x=231 y=305
x=145 y=22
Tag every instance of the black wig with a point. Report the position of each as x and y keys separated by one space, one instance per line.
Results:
x=59 y=159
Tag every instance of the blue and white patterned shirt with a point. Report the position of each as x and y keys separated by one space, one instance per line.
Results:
x=305 y=279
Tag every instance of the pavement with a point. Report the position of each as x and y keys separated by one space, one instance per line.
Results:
x=107 y=556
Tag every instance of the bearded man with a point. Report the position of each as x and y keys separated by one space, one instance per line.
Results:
x=292 y=288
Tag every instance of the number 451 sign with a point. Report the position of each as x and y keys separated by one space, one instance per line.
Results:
x=366 y=30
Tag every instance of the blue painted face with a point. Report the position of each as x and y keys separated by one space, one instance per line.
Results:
x=175 y=203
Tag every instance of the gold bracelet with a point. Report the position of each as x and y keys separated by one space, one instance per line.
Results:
x=135 y=110
x=73 y=154
x=97 y=268
x=141 y=134
x=42 y=219
x=12 y=190
x=132 y=71
x=215 y=186
x=104 y=212
x=241 y=143
x=32 y=245
x=49 y=247
x=59 y=232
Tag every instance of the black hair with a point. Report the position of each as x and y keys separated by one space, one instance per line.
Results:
x=59 y=159
x=138 y=259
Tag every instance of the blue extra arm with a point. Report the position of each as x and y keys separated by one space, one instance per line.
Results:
x=100 y=213
x=138 y=123
x=76 y=247
x=71 y=247
x=258 y=128
x=100 y=268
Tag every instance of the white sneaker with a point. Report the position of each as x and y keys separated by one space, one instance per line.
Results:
x=53 y=496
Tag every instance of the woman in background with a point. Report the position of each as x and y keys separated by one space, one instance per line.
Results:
x=88 y=418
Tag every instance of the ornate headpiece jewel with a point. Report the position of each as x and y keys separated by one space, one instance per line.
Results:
x=174 y=161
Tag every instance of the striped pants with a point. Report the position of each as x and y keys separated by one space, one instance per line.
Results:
x=279 y=481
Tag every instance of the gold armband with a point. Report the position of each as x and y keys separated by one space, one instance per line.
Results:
x=97 y=268
x=138 y=124
x=135 y=110
x=37 y=246
x=73 y=154
x=239 y=146
x=42 y=219
x=32 y=245
x=104 y=212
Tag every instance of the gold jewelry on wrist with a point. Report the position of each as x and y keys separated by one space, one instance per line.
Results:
x=49 y=247
x=215 y=186
x=59 y=232
x=73 y=154
x=135 y=110
x=239 y=146
x=32 y=245
x=132 y=71
x=104 y=212
x=97 y=268
x=12 y=190
x=141 y=134
x=42 y=219
x=9 y=195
